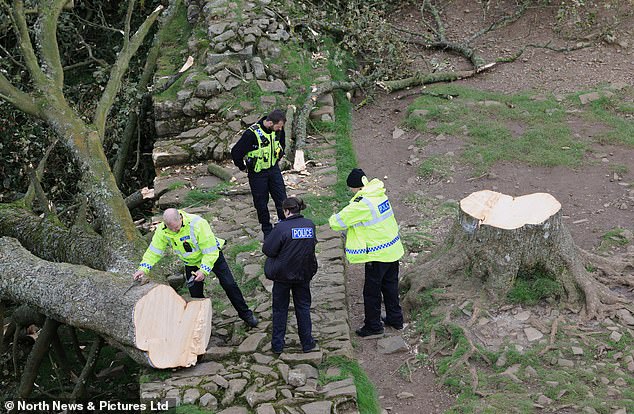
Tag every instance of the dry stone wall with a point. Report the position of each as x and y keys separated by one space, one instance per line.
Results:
x=206 y=116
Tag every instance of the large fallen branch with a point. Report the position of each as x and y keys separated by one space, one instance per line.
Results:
x=50 y=239
x=421 y=78
x=150 y=322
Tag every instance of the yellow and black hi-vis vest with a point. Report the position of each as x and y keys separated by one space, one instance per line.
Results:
x=268 y=152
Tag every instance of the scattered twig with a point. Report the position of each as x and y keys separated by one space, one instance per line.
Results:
x=478 y=177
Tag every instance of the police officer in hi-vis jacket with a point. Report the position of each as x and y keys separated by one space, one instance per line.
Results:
x=258 y=152
x=191 y=238
x=372 y=238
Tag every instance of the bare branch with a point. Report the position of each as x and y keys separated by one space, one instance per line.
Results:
x=21 y=100
x=504 y=21
x=18 y=64
x=118 y=70
x=440 y=27
x=22 y=32
x=128 y=17
x=45 y=204
x=47 y=41
x=81 y=39
x=39 y=173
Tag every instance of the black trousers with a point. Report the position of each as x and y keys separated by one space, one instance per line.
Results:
x=301 y=301
x=263 y=183
x=228 y=283
x=381 y=281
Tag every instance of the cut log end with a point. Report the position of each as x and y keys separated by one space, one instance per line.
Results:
x=507 y=212
x=172 y=331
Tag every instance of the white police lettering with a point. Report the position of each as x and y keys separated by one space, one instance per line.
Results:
x=302 y=233
x=384 y=206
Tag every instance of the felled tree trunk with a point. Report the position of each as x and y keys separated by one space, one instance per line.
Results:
x=496 y=236
x=150 y=322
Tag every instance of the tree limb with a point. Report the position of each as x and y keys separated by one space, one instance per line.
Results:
x=118 y=70
x=22 y=32
x=21 y=100
x=35 y=357
x=142 y=86
x=427 y=78
x=89 y=367
x=39 y=174
x=47 y=41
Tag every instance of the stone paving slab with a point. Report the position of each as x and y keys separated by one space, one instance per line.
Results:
x=239 y=373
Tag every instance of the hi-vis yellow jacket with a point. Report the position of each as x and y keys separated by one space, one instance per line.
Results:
x=372 y=232
x=194 y=243
x=268 y=152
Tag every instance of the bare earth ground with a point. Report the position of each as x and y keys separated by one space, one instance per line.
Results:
x=588 y=192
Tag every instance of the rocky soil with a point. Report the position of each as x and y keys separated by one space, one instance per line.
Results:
x=593 y=200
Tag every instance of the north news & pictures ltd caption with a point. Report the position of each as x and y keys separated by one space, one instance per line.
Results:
x=101 y=406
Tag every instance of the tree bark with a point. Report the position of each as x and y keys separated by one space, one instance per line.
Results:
x=427 y=78
x=151 y=322
x=496 y=237
x=50 y=239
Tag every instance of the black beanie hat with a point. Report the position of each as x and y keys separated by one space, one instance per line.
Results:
x=354 y=178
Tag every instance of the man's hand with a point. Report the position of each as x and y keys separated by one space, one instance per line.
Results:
x=138 y=275
x=200 y=276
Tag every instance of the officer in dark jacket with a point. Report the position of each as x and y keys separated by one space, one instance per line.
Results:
x=258 y=151
x=291 y=264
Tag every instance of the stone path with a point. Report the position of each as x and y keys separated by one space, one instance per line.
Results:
x=239 y=373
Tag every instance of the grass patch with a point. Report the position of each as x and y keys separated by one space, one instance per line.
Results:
x=320 y=208
x=199 y=197
x=436 y=166
x=367 y=397
x=498 y=127
x=173 y=50
x=613 y=238
x=610 y=111
x=619 y=169
x=533 y=285
x=176 y=185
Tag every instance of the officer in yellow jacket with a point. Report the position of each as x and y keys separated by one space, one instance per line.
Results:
x=192 y=239
x=372 y=238
x=257 y=152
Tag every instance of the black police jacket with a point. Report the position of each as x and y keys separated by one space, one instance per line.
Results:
x=290 y=250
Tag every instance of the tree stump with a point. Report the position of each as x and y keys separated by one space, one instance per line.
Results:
x=496 y=237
